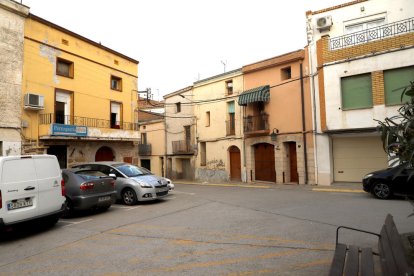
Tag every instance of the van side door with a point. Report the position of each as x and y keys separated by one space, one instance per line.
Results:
x=19 y=189
x=49 y=178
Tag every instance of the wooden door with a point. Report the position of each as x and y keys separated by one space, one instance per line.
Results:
x=104 y=154
x=235 y=163
x=294 y=177
x=264 y=161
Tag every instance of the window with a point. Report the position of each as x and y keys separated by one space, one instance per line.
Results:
x=286 y=73
x=116 y=115
x=178 y=107
x=231 y=124
x=64 y=68
x=394 y=80
x=203 y=158
x=116 y=83
x=63 y=106
x=353 y=28
x=207 y=118
x=356 y=92
x=356 y=34
x=229 y=87
x=143 y=138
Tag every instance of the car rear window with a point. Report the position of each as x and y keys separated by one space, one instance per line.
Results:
x=89 y=175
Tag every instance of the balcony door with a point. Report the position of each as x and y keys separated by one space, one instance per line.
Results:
x=116 y=111
x=62 y=107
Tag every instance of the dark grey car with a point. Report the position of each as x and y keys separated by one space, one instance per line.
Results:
x=133 y=183
x=87 y=189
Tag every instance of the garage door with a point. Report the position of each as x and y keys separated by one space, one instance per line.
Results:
x=354 y=157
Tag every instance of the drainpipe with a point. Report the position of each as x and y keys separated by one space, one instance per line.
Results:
x=305 y=147
x=244 y=173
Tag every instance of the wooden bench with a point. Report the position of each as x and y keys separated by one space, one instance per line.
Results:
x=353 y=260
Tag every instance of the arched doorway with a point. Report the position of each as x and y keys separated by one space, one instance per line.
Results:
x=235 y=163
x=264 y=162
x=104 y=154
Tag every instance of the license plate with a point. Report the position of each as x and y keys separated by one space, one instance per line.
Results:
x=160 y=190
x=104 y=198
x=20 y=203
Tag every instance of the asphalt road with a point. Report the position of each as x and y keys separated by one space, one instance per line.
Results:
x=204 y=230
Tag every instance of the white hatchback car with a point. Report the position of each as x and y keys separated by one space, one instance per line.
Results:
x=31 y=187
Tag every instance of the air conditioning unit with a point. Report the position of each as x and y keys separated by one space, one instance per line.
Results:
x=324 y=23
x=33 y=101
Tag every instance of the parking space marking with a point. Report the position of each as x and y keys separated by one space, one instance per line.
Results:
x=74 y=222
x=132 y=208
x=119 y=207
x=178 y=192
x=337 y=190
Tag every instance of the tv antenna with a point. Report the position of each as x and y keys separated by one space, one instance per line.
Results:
x=224 y=64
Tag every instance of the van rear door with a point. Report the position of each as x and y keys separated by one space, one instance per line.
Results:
x=19 y=189
x=49 y=179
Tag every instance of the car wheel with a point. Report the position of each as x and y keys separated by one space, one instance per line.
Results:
x=69 y=208
x=381 y=190
x=129 y=197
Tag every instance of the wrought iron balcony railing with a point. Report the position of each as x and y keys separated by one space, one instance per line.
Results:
x=144 y=149
x=182 y=147
x=50 y=118
x=255 y=123
x=230 y=127
x=376 y=33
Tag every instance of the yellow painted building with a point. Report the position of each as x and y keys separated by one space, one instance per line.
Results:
x=79 y=97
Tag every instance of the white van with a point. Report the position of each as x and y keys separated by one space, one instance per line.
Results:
x=31 y=187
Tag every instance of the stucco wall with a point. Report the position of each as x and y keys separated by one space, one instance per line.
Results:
x=91 y=95
x=212 y=96
x=79 y=152
x=12 y=16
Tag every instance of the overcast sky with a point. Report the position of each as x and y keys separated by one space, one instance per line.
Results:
x=178 y=42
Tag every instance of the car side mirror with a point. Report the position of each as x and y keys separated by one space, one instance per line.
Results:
x=112 y=175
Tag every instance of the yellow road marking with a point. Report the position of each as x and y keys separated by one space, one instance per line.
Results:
x=226 y=185
x=337 y=190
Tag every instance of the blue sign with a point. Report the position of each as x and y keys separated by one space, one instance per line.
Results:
x=69 y=130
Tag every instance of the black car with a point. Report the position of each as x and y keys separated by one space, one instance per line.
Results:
x=392 y=181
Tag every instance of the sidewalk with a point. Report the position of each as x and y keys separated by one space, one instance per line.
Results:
x=335 y=187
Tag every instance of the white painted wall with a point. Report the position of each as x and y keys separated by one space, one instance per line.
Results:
x=361 y=118
x=392 y=11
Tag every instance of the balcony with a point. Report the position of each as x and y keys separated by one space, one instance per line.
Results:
x=256 y=125
x=144 y=149
x=372 y=34
x=230 y=127
x=51 y=125
x=182 y=147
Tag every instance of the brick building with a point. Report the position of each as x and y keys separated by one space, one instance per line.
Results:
x=361 y=55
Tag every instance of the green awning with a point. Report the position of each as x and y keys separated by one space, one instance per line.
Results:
x=258 y=94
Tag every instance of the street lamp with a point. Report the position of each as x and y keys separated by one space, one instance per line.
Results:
x=273 y=135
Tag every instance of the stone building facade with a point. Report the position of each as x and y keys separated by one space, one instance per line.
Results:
x=12 y=18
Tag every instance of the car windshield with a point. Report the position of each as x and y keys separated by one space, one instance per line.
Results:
x=132 y=171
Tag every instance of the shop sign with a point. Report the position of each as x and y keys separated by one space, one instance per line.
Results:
x=69 y=130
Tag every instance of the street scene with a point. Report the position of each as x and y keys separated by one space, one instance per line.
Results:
x=206 y=229
x=207 y=138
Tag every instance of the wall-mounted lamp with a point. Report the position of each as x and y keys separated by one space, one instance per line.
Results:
x=273 y=135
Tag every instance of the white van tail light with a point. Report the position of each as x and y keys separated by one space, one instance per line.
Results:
x=62 y=185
